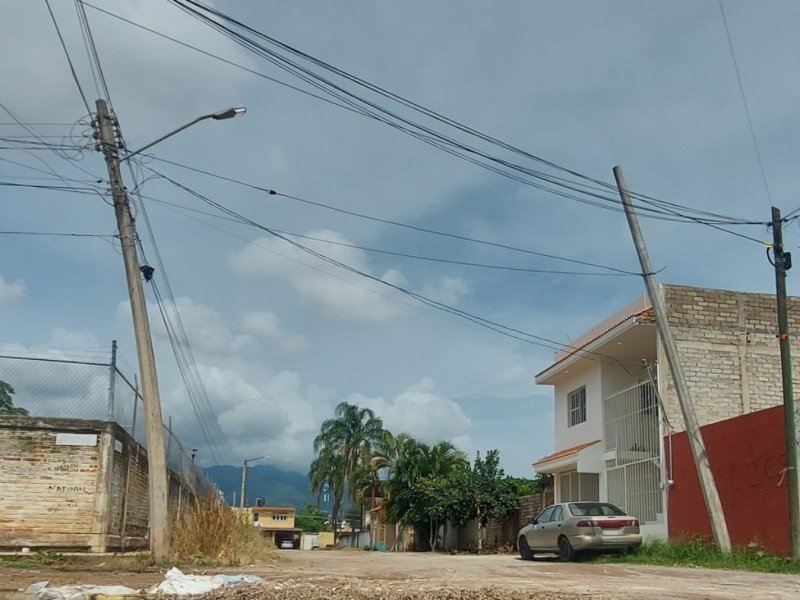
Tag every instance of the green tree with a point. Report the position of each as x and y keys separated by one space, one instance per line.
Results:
x=348 y=438
x=486 y=494
x=312 y=519
x=7 y=403
x=420 y=490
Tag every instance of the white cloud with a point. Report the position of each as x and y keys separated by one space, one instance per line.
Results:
x=340 y=295
x=447 y=290
x=265 y=325
x=10 y=290
x=420 y=412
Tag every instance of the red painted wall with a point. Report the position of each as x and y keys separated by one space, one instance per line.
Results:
x=748 y=457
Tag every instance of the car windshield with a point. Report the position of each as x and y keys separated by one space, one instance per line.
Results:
x=592 y=509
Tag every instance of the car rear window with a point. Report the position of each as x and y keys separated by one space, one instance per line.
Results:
x=590 y=509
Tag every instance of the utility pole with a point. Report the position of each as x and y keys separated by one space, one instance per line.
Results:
x=783 y=262
x=716 y=517
x=244 y=481
x=105 y=128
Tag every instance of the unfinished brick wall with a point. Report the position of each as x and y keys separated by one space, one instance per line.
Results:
x=729 y=352
x=48 y=482
x=75 y=484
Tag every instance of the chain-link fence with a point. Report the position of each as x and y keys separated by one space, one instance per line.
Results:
x=77 y=384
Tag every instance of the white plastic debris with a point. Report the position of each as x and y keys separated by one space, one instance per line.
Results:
x=175 y=582
x=78 y=592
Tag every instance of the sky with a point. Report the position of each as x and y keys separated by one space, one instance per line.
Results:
x=280 y=336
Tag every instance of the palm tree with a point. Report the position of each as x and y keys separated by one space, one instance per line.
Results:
x=349 y=437
x=413 y=464
x=328 y=468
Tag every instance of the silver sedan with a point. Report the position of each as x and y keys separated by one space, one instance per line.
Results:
x=571 y=527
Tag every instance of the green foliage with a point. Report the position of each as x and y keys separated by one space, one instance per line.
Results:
x=700 y=552
x=342 y=446
x=312 y=519
x=7 y=403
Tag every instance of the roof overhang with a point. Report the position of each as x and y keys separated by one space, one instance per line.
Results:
x=620 y=340
x=584 y=458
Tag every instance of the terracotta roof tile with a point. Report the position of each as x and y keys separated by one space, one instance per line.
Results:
x=565 y=452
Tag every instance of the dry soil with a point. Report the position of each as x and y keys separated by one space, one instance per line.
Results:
x=356 y=575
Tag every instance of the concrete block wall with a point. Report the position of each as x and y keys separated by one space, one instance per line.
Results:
x=729 y=351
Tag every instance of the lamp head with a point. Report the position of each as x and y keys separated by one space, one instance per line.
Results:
x=229 y=113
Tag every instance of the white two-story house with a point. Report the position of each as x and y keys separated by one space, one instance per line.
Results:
x=615 y=405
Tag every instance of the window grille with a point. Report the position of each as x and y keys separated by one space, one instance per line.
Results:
x=633 y=452
x=575 y=487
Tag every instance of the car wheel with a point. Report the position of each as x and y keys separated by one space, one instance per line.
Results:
x=565 y=551
x=524 y=549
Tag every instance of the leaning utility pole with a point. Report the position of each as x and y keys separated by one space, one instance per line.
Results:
x=105 y=128
x=783 y=262
x=719 y=529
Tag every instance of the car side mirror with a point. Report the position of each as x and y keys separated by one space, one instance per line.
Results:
x=531 y=520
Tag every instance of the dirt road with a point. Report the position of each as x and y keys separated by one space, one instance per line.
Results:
x=358 y=574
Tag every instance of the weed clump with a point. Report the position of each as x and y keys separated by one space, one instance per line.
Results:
x=212 y=534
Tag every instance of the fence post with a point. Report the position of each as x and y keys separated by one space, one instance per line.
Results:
x=169 y=439
x=135 y=405
x=112 y=376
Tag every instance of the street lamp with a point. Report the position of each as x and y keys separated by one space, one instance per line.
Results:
x=220 y=115
x=244 y=477
x=107 y=132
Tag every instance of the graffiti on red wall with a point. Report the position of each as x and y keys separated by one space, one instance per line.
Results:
x=756 y=473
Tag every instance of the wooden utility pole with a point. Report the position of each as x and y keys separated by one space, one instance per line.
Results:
x=783 y=262
x=719 y=529
x=156 y=458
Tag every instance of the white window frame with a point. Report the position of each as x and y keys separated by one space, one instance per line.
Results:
x=576 y=407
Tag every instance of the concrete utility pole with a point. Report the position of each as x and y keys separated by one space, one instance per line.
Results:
x=719 y=529
x=244 y=478
x=156 y=457
x=783 y=262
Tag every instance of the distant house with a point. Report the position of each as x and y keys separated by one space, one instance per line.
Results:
x=277 y=523
x=619 y=433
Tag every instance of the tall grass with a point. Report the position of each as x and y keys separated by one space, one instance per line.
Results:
x=211 y=534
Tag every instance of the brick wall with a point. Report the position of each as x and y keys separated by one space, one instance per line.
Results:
x=47 y=485
x=75 y=484
x=504 y=532
x=729 y=352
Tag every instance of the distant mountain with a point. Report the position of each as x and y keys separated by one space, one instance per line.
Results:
x=276 y=486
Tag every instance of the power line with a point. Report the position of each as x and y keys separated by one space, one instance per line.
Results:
x=504 y=330
x=744 y=103
x=416 y=228
x=60 y=234
x=69 y=59
x=670 y=210
x=424 y=133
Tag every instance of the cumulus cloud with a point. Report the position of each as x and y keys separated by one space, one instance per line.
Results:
x=10 y=290
x=265 y=325
x=339 y=295
x=421 y=412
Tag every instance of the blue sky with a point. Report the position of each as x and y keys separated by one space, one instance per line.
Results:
x=280 y=337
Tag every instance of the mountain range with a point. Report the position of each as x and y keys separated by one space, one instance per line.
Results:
x=276 y=486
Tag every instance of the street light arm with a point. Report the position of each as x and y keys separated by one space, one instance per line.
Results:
x=217 y=116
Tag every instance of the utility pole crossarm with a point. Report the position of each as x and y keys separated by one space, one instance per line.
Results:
x=716 y=517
